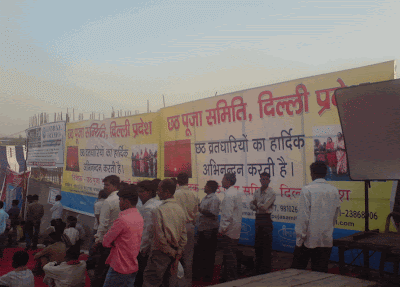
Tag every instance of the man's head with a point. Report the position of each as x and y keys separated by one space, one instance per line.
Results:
x=35 y=197
x=211 y=186
x=29 y=198
x=20 y=259
x=228 y=180
x=183 y=179
x=265 y=179
x=102 y=194
x=1 y=204
x=128 y=197
x=55 y=237
x=72 y=218
x=318 y=170
x=166 y=189
x=111 y=183
x=15 y=202
x=146 y=190
x=58 y=197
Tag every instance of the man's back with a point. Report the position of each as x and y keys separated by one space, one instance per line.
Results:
x=231 y=213
x=35 y=211
x=189 y=202
x=170 y=228
x=318 y=209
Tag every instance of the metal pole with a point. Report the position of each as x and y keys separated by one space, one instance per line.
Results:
x=367 y=185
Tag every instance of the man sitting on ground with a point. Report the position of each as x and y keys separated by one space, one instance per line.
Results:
x=54 y=252
x=68 y=273
x=21 y=276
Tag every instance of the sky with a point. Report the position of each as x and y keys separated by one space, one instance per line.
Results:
x=95 y=56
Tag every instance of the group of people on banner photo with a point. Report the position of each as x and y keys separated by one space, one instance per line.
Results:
x=333 y=153
x=144 y=162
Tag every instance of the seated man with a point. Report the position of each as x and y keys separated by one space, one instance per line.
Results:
x=73 y=236
x=54 y=252
x=69 y=273
x=21 y=276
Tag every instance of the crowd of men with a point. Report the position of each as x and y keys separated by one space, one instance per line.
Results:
x=144 y=233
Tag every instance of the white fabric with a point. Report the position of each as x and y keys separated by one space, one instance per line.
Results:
x=73 y=234
x=109 y=212
x=97 y=208
x=81 y=231
x=65 y=275
x=319 y=207
x=57 y=210
x=22 y=278
x=265 y=201
x=148 y=229
x=231 y=213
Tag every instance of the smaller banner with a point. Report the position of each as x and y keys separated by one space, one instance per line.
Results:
x=46 y=145
x=53 y=192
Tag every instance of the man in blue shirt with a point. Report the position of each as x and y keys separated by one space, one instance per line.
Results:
x=3 y=226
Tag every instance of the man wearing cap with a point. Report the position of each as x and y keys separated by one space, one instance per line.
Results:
x=189 y=202
x=169 y=239
x=230 y=226
x=124 y=239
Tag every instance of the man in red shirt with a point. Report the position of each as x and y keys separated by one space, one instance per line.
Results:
x=124 y=239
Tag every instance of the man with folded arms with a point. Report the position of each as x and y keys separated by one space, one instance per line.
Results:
x=169 y=241
x=124 y=239
x=230 y=226
x=262 y=204
x=207 y=230
x=147 y=193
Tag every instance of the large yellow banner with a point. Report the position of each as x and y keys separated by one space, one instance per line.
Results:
x=280 y=129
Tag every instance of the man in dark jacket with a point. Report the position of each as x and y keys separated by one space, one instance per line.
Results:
x=34 y=214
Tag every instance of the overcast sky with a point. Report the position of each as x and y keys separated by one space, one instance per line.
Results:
x=95 y=55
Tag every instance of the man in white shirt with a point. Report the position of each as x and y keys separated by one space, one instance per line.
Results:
x=262 y=203
x=21 y=276
x=230 y=226
x=319 y=207
x=71 y=272
x=189 y=202
x=147 y=194
x=57 y=209
x=108 y=214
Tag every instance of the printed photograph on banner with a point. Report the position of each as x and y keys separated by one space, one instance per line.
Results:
x=144 y=160
x=177 y=158
x=330 y=148
x=72 y=159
